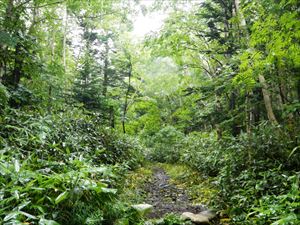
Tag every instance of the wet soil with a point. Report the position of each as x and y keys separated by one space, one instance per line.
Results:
x=166 y=197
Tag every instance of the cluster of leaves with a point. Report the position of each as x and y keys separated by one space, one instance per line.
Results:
x=48 y=192
x=253 y=171
x=165 y=146
x=61 y=168
x=172 y=219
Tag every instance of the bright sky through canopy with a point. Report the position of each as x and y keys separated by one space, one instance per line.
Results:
x=150 y=22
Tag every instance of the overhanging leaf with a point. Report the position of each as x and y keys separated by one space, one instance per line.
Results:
x=61 y=197
x=47 y=222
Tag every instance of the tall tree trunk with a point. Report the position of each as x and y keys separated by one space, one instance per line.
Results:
x=65 y=38
x=17 y=71
x=105 y=70
x=126 y=97
x=239 y=14
x=298 y=90
x=1 y=70
x=49 y=98
x=267 y=99
x=258 y=98
x=232 y=103
x=7 y=27
x=250 y=117
x=112 y=117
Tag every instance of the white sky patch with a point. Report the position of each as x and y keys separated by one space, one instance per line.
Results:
x=151 y=22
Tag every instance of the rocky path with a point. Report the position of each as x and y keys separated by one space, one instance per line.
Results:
x=166 y=197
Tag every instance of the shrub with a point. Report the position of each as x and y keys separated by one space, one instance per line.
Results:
x=256 y=172
x=35 y=190
x=203 y=152
x=61 y=168
x=166 y=145
x=4 y=97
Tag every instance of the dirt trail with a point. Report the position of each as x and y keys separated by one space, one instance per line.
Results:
x=167 y=197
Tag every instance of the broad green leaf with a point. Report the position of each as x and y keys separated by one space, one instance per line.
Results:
x=3 y=169
x=47 y=222
x=17 y=166
x=28 y=215
x=11 y=215
x=109 y=190
x=61 y=197
x=23 y=205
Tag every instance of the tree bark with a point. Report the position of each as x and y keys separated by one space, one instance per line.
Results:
x=232 y=103
x=267 y=100
x=65 y=38
x=17 y=71
x=298 y=90
x=105 y=70
x=126 y=97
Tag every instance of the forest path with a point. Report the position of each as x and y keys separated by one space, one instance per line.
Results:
x=170 y=189
x=167 y=197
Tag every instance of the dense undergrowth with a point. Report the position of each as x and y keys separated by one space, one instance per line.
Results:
x=257 y=174
x=82 y=98
x=62 y=167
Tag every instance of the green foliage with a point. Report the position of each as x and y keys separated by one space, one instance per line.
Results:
x=281 y=209
x=172 y=219
x=202 y=152
x=22 y=96
x=56 y=166
x=165 y=145
x=254 y=172
x=68 y=134
x=194 y=96
x=134 y=184
x=36 y=189
x=144 y=118
x=4 y=96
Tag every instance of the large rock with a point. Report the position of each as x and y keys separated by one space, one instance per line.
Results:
x=143 y=209
x=195 y=218
x=210 y=214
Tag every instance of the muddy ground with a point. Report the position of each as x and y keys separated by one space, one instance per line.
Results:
x=167 y=197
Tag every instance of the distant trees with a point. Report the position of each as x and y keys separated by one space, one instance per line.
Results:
x=246 y=55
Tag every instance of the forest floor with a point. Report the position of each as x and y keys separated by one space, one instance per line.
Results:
x=170 y=189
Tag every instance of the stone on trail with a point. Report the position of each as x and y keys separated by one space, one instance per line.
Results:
x=143 y=209
x=210 y=214
x=195 y=218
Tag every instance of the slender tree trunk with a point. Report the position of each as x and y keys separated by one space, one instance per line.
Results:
x=232 y=103
x=267 y=99
x=1 y=70
x=49 y=98
x=17 y=71
x=9 y=16
x=126 y=97
x=65 y=38
x=105 y=70
x=219 y=132
x=239 y=14
x=112 y=117
x=298 y=90
x=249 y=112
x=9 y=10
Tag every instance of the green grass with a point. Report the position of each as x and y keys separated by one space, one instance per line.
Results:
x=134 y=184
